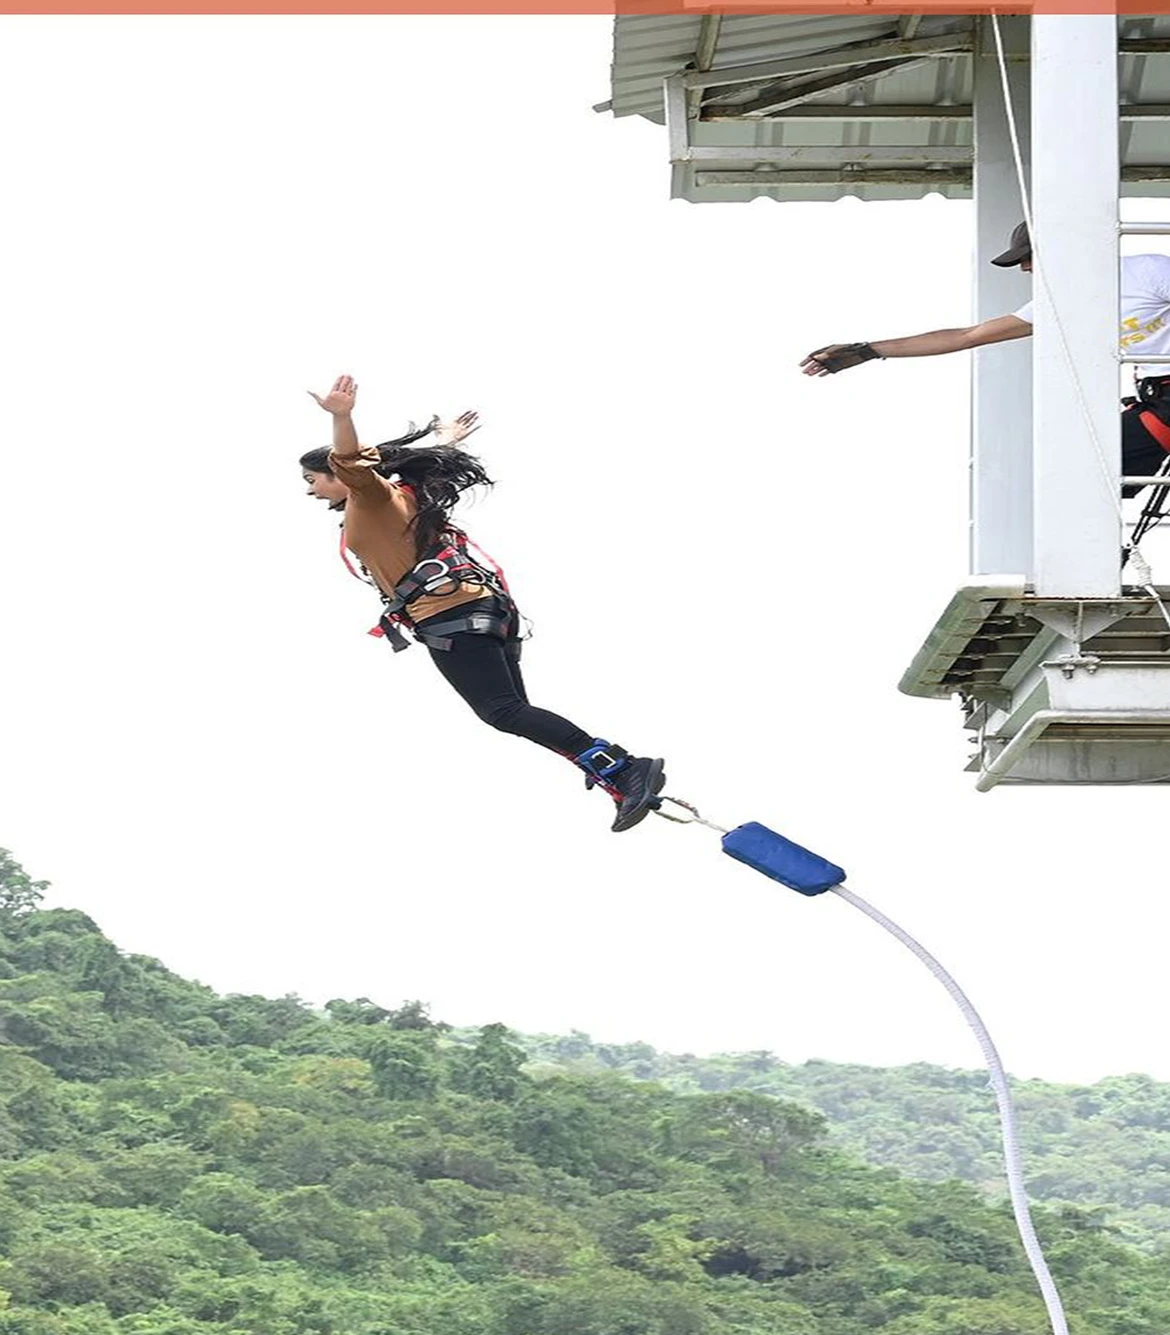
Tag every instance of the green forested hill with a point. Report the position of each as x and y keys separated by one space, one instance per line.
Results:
x=1104 y=1146
x=173 y=1162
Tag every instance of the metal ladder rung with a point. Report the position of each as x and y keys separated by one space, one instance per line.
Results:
x=1135 y=358
x=1159 y=479
x=1144 y=228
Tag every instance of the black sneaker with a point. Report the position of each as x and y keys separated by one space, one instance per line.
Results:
x=634 y=789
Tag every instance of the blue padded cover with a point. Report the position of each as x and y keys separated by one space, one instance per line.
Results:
x=766 y=851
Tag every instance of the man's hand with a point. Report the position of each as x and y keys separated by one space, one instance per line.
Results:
x=837 y=357
x=341 y=398
x=451 y=433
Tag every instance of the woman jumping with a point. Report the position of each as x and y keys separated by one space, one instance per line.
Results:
x=397 y=502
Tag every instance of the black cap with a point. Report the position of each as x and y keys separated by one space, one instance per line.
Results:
x=1019 y=250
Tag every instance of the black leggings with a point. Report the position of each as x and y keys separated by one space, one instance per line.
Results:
x=485 y=670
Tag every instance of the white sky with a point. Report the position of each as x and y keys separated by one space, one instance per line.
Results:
x=727 y=564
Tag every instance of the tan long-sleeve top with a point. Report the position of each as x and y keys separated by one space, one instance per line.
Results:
x=378 y=530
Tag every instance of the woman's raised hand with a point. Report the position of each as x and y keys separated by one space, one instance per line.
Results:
x=451 y=433
x=341 y=398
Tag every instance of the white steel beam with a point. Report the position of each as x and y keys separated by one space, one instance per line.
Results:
x=834 y=155
x=1137 y=112
x=862 y=54
x=1076 y=433
x=677 y=111
x=871 y=111
x=1001 y=374
x=899 y=176
x=924 y=176
x=780 y=97
x=705 y=50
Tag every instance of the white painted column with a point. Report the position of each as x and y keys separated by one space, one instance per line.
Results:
x=1077 y=533
x=1001 y=377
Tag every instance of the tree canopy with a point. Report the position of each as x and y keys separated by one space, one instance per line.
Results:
x=174 y=1162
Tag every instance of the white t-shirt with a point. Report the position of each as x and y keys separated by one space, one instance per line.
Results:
x=1145 y=309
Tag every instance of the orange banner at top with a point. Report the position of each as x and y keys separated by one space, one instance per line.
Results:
x=648 y=8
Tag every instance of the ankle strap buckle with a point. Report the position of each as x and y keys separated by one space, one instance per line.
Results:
x=600 y=762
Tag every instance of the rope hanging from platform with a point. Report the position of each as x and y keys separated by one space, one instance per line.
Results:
x=809 y=874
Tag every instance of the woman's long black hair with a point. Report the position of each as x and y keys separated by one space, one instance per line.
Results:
x=437 y=474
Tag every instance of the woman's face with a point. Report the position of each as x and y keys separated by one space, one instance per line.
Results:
x=325 y=487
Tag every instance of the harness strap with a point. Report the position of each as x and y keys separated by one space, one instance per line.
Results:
x=475 y=551
x=1152 y=406
x=349 y=565
x=457 y=561
x=474 y=623
x=393 y=634
x=447 y=566
x=1156 y=427
x=452 y=564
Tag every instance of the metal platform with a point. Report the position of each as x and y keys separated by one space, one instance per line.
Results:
x=1063 y=669
x=1055 y=691
x=871 y=105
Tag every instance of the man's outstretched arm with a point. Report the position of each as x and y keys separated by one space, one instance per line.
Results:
x=841 y=356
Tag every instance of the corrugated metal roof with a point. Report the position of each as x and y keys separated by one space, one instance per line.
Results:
x=839 y=156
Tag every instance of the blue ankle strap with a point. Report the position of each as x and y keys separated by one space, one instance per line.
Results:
x=599 y=759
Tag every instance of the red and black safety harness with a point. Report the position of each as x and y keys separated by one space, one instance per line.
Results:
x=1152 y=406
x=452 y=563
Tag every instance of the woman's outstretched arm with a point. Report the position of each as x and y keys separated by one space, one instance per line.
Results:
x=339 y=403
x=352 y=462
